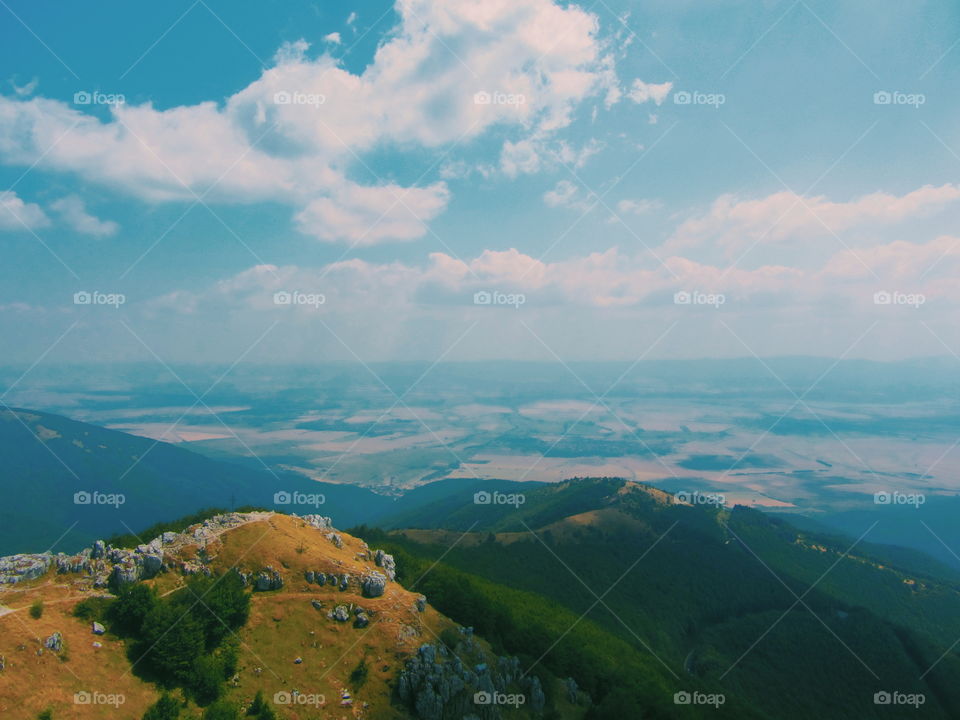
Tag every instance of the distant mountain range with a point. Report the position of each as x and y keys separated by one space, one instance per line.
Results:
x=610 y=581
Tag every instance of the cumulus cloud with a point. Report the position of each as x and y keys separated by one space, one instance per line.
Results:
x=15 y=214
x=641 y=92
x=293 y=134
x=732 y=223
x=74 y=212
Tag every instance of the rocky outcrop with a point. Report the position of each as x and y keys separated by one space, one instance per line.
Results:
x=373 y=584
x=388 y=564
x=341 y=613
x=420 y=603
x=335 y=538
x=18 y=568
x=438 y=684
x=320 y=522
x=267 y=579
x=54 y=642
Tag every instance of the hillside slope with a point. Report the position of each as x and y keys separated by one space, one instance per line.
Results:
x=329 y=633
x=729 y=598
x=48 y=459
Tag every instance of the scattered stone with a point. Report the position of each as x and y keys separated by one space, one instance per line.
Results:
x=362 y=620
x=317 y=605
x=268 y=579
x=98 y=629
x=97 y=645
x=298 y=661
x=340 y=613
x=309 y=576
x=421 y=603
x=336 y=539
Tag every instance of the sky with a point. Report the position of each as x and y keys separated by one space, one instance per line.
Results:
x=204 y=181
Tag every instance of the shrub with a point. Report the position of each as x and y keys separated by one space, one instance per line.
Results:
x=166 y=708
x=36 y=610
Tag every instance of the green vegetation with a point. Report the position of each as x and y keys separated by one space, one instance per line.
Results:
x=36 y=609
x=166 y=708
x=712 y=606
x=45 y=715
x=260 y=709
x=181 y=640
x=358 y=676
x=91 y=609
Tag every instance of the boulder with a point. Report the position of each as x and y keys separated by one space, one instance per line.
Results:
x=340 y=613
x=373 y=584
x=421 y=603
x=98 y=629
x=388 y=564
x=54 y=642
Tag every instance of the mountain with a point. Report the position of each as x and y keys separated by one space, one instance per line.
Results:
x=67 y=483
x=785 y=622
x=300 y=621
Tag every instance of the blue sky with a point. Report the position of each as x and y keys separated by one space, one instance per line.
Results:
x=780 y=201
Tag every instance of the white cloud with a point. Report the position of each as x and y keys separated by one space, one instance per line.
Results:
x=15 y=214
x=566 y=194
x=641 y=92
x=332 y=38
x=74 y=212
x=418 y=92
x=369 y=215
x=733 y=223
x=642 y=206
